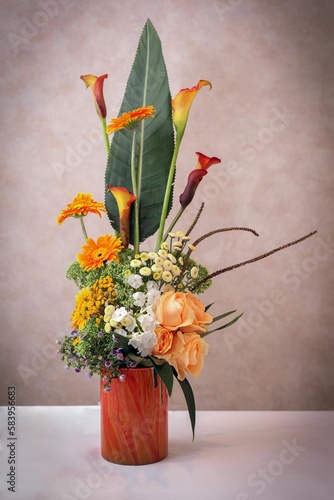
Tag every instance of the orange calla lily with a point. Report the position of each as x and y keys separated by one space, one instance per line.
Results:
x=124 y=200
x=181 y=105
x=195 y=177
x=96 y=84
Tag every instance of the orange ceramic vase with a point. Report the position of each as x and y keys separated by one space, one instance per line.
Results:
x=134 y=419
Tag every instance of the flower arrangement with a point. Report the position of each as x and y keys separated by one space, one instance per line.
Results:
x=139 y=307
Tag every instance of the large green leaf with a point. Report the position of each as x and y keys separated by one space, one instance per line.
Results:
x=147 y=84
x=190 y=400
x=165 y=372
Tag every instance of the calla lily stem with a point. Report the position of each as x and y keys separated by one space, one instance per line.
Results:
x=176 y=218
x=105 y=135
x=167 y=193
x=136 y=193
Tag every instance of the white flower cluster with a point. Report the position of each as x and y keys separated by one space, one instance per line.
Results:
x=161 y=266
x=139 y=326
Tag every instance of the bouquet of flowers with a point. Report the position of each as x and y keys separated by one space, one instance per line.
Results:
x=138 y=307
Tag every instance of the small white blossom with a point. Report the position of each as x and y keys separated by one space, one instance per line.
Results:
x=152 y=255
x=177 y=248
x=171 y=258
x=129 y=323
x=144 y=342
x=151 y=285
x=157 y=269
x=152 y=297
x=176 y=271
x=119 y=314
x=147 y=322
x=145 y=271
x=168 y=265
x=159 y=261
x=140 y=298
x=194 y=272
x=135 y=263
x=163 y=254
x=177 y=244
x=167 y=276
x=135 y=280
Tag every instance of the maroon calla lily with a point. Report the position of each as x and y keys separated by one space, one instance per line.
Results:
x=195 y=177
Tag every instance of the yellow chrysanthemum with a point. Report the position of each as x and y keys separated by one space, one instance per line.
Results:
x=90 y=302
x=103 y=291
x=131 y=119
x=95 y=254
x=84 y=308
x=82 y=204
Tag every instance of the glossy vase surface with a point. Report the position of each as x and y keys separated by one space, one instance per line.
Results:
x=134 y=419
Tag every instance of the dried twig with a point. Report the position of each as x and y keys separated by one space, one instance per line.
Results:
x=196 y=219
x=263 y=256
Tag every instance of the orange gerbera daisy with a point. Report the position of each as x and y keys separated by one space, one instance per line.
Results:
x=80 y=206
x=95 y=254
x=131 y=119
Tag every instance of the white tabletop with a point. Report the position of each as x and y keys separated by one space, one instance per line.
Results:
x=235 y=456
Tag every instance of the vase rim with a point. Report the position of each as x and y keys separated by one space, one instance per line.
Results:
x=135 y=368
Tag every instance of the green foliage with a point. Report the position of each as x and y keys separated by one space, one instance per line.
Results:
x=147 y=85
x=226 y=324
x=189 y=282
x=165 y=372
x=82 y=278
x=190 y=400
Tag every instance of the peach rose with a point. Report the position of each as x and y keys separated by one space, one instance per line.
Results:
x=181 y=311
x=191 y=359
x=202 y=318
x=173 y=312
x=164 y=344
x=170 y=344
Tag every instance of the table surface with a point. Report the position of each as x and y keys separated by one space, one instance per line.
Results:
x=235 y=456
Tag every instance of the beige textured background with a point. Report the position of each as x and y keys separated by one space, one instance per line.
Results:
x=269 y=117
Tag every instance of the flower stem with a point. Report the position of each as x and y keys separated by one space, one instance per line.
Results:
x=167 y=193
x=105 y=135
x=136 y=193
x=83 y=227
x=176 y=218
